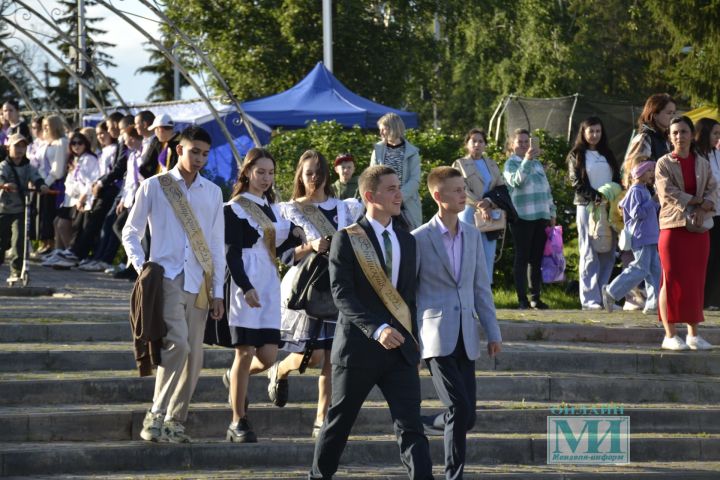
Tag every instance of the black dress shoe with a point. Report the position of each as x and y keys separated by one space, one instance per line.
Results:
x=523 y=305
x=538 y=305
x=241 y=432
x=128 y=273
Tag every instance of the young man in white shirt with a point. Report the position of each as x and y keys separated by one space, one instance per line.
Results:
x=181 y=355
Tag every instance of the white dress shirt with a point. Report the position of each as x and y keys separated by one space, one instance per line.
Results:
x=170 y=246
x=132 y=178
x=379 y=229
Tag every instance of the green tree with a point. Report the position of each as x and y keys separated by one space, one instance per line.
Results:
x=692 y=61
x=158 y=65
x=65 y=90
x=383 y=50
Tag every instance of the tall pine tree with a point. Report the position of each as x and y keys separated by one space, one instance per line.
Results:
x=65 y=91
x=158 y=65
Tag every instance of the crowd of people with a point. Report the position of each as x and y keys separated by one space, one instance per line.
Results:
x=370 y=287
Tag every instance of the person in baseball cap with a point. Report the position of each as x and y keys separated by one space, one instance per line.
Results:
x=347 y=185
x=161 y=155
x=16 y=173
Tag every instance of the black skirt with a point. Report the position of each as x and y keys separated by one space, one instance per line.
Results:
x=257 y=337
x=221 y=334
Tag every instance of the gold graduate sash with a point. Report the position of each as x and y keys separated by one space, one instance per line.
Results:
x=268 y=228
x=370 y=263
x=185 y=215
x=317 y=219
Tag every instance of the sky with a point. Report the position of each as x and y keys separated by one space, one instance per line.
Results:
x=128 y=52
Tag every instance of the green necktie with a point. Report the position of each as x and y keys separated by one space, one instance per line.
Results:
x=388 y=254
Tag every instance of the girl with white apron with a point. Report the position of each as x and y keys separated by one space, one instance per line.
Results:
x=255 y=234
x=320 y=214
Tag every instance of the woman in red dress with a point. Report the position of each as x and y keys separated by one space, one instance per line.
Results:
x=686 y=191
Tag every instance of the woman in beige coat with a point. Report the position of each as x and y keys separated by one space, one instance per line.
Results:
x=482 y=175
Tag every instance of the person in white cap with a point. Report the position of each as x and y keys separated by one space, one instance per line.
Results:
x=161 y=156
x=15 y=174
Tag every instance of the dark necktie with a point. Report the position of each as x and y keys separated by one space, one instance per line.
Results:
x=388 y=254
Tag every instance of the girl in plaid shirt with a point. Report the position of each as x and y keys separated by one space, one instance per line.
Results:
x=530 y=192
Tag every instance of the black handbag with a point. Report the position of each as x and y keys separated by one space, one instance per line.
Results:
x=217 y=332
x=311 y=288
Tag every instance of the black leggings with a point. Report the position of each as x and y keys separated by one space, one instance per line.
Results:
x=529 y=239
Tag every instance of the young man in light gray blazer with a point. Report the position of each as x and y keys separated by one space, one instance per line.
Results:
x=454 y=301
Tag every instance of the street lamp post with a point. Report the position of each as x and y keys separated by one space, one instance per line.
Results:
x=327 y=34
x=82 y=66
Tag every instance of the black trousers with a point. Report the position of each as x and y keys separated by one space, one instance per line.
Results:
x=454 y=379
x=88 y=238
x=529 y=240
x=400 y=385
x=12 y=237
x=712 y=279
x=108 y=244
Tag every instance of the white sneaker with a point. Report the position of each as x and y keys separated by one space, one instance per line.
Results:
x=697 y=343
x=102 y=265
x=649 y=311
x=592 y=307
x=152 y=427
x=89 y=266
x=674 y=343
x=174 y=432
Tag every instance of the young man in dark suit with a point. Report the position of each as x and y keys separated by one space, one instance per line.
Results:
x=371 y=346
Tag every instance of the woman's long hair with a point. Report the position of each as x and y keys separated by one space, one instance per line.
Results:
x=581 y=145
x=323 y=174
x=77 y=136
x=243 y=181
x=654 y=105
x=702 y=136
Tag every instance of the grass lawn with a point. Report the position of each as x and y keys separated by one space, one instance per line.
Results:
x=554 y=295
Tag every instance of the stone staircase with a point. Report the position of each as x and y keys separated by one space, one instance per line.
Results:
x=71 y=405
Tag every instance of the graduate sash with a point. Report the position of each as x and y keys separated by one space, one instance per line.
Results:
x=185 y=215
x=268 y=228
x=317 y=219
x=370 y=264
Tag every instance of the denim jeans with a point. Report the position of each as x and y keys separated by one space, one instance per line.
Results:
x=489 y=246
x=646 y=266
x=594 y=268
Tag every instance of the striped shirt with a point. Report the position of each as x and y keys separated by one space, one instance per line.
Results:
x=395 y=158
x=529 y=188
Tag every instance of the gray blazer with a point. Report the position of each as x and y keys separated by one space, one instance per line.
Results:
x=444 y=304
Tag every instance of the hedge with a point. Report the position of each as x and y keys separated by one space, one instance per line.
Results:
x=437 y=148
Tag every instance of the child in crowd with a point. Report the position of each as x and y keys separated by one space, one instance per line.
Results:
x=640 y=212
x=15 y=175
x=346 y=185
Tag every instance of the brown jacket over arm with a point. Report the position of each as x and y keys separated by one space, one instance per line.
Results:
x=146 y=317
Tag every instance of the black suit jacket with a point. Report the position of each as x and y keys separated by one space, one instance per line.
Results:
x=361 y=309
x=149 y=162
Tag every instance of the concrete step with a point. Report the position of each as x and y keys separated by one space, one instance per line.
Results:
x=636 y=471
x=516 y=356
x=124 y=386
x=381 y=450
x=123 y=422
x=54 y=329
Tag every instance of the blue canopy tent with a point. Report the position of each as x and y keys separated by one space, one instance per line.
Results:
x=221 y=166
x=320 y=96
